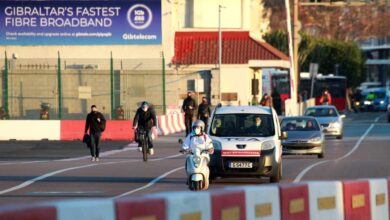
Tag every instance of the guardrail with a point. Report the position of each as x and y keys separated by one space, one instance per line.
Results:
x=331 y=200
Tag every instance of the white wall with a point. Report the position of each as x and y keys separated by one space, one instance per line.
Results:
x=237 y=79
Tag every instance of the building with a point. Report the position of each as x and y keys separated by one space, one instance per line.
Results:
x=85 y=34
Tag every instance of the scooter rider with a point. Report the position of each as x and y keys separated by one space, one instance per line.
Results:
x=198 y=138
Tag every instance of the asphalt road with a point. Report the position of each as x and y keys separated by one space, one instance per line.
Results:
x=43 y=171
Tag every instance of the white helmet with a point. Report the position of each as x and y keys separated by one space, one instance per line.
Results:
x=198 y=123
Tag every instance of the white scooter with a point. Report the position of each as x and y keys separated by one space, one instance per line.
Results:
x=197 y=168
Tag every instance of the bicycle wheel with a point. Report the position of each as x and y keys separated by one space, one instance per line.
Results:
x=145 y=149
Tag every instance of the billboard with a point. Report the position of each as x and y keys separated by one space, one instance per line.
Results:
x=80 y=22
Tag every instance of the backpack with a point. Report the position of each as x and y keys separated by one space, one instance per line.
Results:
x=102 y=126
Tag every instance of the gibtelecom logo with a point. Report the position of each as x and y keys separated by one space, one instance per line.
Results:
x=139 y=16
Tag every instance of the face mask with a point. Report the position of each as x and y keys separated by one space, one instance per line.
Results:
x=258 y=124
x=197 y=131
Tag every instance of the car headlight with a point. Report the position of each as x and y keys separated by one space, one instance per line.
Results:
x=334 y=125
x=315 y=140
x=196 y=161
x=357 y=103
x=367 y=102
x=268 y=145
x=382 y=102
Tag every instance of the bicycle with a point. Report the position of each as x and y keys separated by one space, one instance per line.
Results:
x=142 y=137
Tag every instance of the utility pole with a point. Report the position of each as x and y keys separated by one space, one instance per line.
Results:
x=296 y=46
x=292 y=108
x=219 y=48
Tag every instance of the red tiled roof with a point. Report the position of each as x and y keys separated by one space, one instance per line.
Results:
x=237 y=48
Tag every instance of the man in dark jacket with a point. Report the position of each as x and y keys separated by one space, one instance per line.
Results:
x=145 y=119
x=188 y=107
x=204 y=111
x=95 y=123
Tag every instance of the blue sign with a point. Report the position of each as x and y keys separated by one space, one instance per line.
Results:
x=80 y=22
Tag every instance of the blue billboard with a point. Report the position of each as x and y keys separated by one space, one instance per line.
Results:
x=56 y=22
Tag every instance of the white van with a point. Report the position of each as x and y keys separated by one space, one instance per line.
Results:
x=247 y=142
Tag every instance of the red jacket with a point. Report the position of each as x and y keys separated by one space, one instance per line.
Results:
x=328 y=99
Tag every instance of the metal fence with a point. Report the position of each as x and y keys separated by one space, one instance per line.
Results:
x=66 y=88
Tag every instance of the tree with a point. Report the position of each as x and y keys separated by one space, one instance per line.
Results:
x=332 y=55
x=279 y=40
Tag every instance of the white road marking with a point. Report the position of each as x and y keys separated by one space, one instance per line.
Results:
x=307 y=169
x=45 y=176
x=104 y=154
x=154 y=181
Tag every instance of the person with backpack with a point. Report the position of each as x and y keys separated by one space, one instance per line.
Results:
x=96 y=124
x=204 y=111
x=145 y=119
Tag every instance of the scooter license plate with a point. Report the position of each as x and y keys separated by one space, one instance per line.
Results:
x=238 y=165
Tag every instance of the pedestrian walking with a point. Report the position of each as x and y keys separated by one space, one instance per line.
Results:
x=204 y=111
x=266 y=100
x=189 y=107
x=96 y=124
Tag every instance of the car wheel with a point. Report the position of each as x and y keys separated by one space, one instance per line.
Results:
x=321 y=155
x=275 y=178
x=340 y=137
x=388 y=118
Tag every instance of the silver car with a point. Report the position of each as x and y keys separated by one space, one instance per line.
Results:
x=329 y=118
x=304 y=136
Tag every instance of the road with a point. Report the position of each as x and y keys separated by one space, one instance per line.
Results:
x=46 y=171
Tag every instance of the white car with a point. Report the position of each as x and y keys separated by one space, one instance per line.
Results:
x=243 y=146
x=329 y=118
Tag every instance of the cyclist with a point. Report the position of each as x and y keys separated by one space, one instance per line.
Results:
x=145 y=119
x=326 y=98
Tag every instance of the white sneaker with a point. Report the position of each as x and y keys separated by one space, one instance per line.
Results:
x=140 y=149
x=151 y=151
x=93 y=159
x=97 y=159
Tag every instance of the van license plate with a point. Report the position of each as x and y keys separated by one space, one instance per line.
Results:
x=240 y=165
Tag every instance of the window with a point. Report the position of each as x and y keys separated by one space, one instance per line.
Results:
x=242 y=125
x=321 y=112
x=300 y=125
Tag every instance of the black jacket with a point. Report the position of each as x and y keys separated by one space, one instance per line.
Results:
x=144 y=119
x=204 y=110
x=92 y=123
x=187 y=103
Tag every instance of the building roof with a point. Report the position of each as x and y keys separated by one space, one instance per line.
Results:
x=237 y=48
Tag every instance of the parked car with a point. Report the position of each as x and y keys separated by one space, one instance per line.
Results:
x=304 y=136
x=247 y=142
x=329 y=118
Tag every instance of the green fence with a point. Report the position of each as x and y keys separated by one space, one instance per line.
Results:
x=70 y=86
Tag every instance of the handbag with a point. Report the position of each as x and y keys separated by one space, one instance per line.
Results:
x=87 y=140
